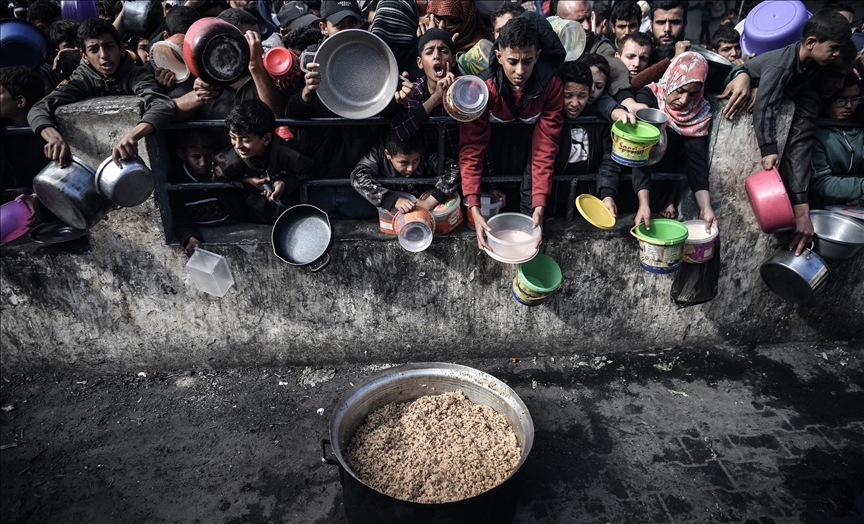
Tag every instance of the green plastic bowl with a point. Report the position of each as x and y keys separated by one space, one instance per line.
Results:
x=663 y=232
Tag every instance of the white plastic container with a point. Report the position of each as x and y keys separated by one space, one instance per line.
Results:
x=513 y=235
x=210 y=272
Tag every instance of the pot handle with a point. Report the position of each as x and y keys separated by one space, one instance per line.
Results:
x=269 y=188
x=304 y=60
x=324 y=458
x=321 y=264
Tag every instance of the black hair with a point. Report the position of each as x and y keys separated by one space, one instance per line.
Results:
x=825 y=25
x=507 y=8
x=576 y=72
x=179 y=19
x=602 y=11
x=851 y=80
x=197 y=138
x=63 y=31
x=107 y=8
x=597 y=60
x=625 y=10
x=412 y=144
x=93 y=27
x=252 y=117
x=302 y=38
x=67 y=63
x=847 y=55
x=518 y=33
x=725 y=34
x=238 y=17
x=662 y=51
x=840 y=6
x=43 y=12
x=23 y=81
x=668 y=5
x=640 y=39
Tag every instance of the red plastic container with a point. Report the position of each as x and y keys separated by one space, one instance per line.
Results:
x=216 y=51
x=769 y=201
x=283 y=66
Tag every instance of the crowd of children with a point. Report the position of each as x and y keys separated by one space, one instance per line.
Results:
x=635 y=56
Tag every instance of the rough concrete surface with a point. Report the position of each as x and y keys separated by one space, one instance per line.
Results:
x=125 y=299
x=771 y=434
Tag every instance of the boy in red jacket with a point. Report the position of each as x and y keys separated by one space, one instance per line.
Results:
x=520 y=88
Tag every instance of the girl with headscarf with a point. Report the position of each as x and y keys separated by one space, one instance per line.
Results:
x=680 y=94
x=460 y=19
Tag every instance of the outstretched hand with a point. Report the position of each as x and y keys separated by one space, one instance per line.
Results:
x=738 y=93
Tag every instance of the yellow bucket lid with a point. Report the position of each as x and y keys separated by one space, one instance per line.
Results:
x=595 y=212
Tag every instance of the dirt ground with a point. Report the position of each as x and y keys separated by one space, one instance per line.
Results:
x=755 y=435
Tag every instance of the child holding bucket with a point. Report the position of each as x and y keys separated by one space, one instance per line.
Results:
x=394 y=159
x=680 y=94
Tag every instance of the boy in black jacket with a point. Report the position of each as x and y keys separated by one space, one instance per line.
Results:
x=261 y=160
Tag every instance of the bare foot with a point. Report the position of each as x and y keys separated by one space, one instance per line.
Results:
x=669 y=211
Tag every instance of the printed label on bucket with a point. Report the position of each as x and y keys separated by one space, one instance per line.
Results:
x=660 y=256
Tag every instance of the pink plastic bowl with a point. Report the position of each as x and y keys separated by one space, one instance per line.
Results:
x=769 y=201
x=14 y=220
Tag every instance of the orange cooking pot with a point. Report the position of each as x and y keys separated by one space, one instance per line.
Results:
x=216 y=51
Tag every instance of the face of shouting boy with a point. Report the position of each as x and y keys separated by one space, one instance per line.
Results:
x=435 y=60
x=518 y=64
x=103 y=54
x=251 y=145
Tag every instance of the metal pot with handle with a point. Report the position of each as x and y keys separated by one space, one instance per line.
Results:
x=302 y=236
x=129 y=185
x=70 y=193
x=792 y=278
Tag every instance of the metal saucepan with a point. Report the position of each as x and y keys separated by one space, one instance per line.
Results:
x=302 y=236
x=127 y=186
x=142 y=17
x=70 y=193
x=358 y=73
x=795 y=279
x=718 y=68
x=837 y=236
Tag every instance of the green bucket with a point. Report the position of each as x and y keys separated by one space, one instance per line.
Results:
x=542 y=275
x=663 y=232
x=642 y=132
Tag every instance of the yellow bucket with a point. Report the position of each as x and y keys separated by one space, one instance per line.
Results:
x=631 y=145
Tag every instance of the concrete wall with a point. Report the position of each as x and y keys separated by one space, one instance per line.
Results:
x=127 y=303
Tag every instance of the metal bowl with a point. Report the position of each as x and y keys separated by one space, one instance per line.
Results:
x=837 y=236
x=358 y=74
x=126 y=186
x=718 y=68
x=142 y=17
x=70 y=193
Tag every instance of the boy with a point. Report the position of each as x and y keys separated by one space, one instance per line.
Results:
x=726 y=42
x=502 y=14
x=394 y=159
x=837 y=164
x=261 y=159
x=200 y=207
x=599 y=74
x=585 y=149
x=635 y=51
x=106 y=70
x=520 y=87
x=788 y=72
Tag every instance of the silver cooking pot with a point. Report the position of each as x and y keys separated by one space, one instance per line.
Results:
x=359 y=74
x=837 y=236
x=795 y=279
x=127 y=186
x=70 y=193
x=364 y=504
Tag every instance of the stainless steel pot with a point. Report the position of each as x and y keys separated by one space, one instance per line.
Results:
x=405 y=383
x=837 y=236
x=718 y=68
x=70 y=193
x=126 y=186
x=795 y=279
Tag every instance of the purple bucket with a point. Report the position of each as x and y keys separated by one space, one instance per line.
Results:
x=79 y=9
x=773 y=25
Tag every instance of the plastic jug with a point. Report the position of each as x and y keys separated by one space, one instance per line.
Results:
x=210 y=272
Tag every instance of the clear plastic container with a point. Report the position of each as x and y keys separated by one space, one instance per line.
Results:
x=210 y=272
x=513 y=235
x=414 y=229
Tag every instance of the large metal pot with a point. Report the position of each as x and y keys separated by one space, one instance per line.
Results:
x=405 y=383
x=302 y=236
x=216 y=51
x=837 y=236
x=795 y=279
x=358 y=73
x=70 y=193
x=718 y=68
x=127 y=186
x=142 y=17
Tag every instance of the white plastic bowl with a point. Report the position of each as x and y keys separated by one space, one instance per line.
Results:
x=513 y=235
